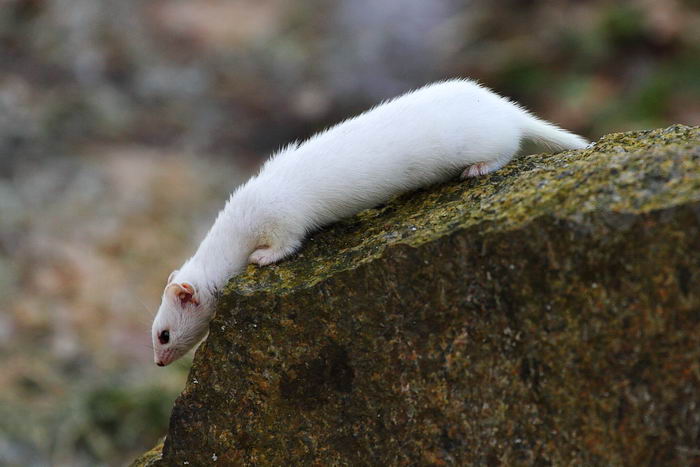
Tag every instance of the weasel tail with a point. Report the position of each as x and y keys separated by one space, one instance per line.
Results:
x=549 y=135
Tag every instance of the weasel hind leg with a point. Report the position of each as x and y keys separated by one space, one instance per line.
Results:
x=482 y=168
x=268 y=254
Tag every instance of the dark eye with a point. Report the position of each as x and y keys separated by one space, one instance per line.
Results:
x=164 y=337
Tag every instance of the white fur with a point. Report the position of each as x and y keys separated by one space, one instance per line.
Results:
x=423 y=137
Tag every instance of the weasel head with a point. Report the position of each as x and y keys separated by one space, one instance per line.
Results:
x=182 y=321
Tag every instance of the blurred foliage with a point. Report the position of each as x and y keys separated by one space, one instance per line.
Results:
x=98 y=421
x=123 y=125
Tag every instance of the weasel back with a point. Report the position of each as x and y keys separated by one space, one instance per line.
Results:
x=423 y=137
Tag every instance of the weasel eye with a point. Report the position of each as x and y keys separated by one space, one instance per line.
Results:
x=164 y=337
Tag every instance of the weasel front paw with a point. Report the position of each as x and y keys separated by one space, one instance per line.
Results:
x=264 y=256
x=267 y=255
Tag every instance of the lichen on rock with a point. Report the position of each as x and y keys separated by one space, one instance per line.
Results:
x=548 y=313
x=150 y=458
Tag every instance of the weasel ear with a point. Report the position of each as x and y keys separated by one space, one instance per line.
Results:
x=184 y=292
x=172 y=275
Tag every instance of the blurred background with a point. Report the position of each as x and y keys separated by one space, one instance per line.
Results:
x=124 y=124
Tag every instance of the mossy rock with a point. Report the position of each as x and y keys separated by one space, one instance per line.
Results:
x=548 y=313
x=150 y=458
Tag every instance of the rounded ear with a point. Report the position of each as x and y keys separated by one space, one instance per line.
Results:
x=172 y=275
x=184 y=292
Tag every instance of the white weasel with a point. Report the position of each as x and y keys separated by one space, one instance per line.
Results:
x=423 y=137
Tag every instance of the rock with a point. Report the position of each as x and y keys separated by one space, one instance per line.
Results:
x=151 y=458
x=547 y=313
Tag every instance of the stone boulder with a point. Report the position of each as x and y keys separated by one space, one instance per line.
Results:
x=548 y=313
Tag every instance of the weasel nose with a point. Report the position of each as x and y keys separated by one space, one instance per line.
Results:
x=160 y=364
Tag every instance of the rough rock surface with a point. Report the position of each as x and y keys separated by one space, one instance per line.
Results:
x=547 y=313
